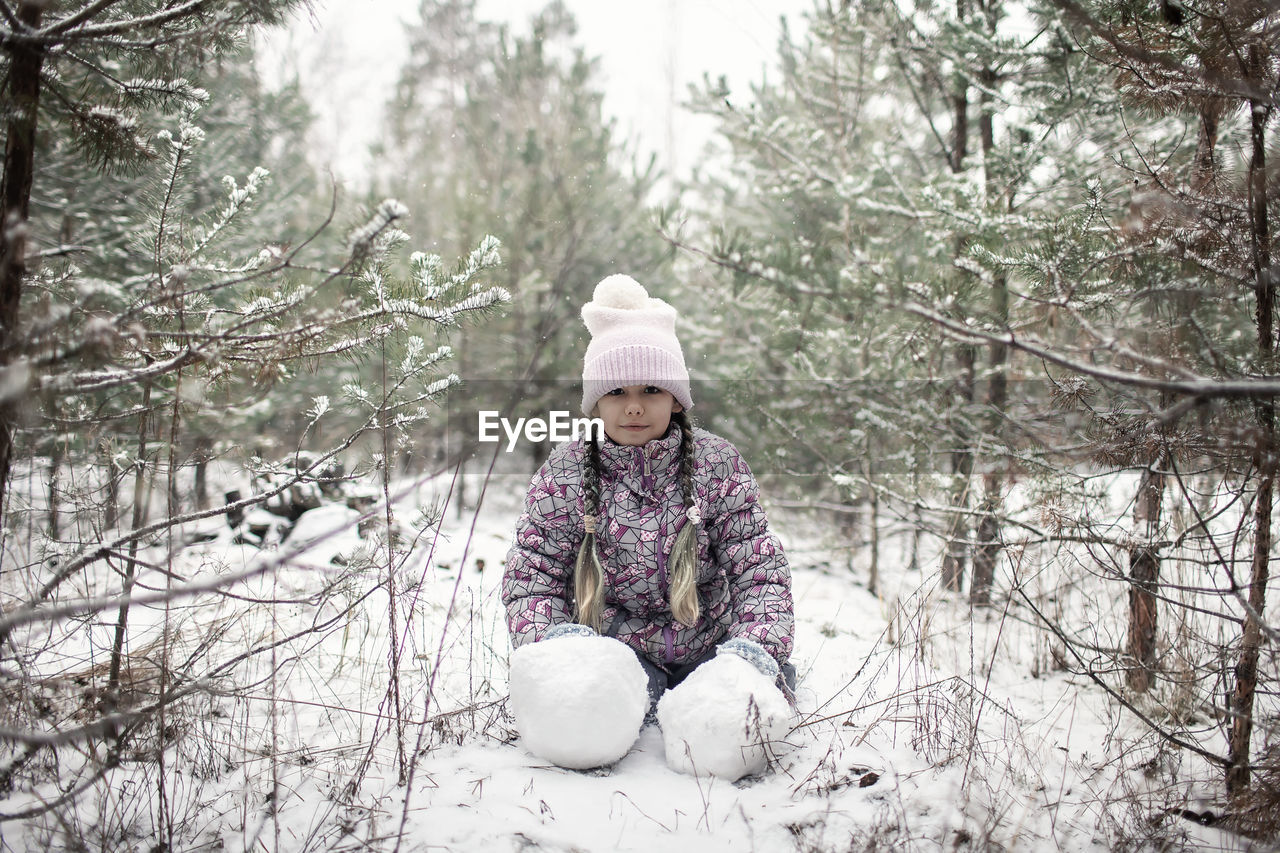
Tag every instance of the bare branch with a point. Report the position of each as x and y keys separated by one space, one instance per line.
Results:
x=1203 y=388
x=1086 y=669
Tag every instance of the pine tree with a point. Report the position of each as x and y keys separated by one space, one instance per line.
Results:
x=855 y=207
x=92 y=224
x=1194 y=242
x=1056 y=195
x=166 y=293
x=84 y=69
x=496 y=132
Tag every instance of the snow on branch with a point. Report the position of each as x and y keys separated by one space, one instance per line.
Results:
x=238 y=199
x=1199 y=387
x=387 y=213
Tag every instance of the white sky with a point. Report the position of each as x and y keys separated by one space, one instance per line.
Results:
x=349 y=54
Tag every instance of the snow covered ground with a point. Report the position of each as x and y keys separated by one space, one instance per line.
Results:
x=920 y=725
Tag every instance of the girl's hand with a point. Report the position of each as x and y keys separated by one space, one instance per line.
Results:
x=749 y=650
x=570 y=629
x=728 y=718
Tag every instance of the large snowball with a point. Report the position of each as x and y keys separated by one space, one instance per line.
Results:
x=578 y=702
x=724 y=720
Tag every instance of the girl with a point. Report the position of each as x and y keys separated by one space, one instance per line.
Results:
x=654 y=536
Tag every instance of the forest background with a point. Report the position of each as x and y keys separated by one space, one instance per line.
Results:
x=983 y=287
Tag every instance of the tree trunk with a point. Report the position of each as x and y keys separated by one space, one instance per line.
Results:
x=200 y=484
x=987 y=544
x=141 y=498
x=988 y=547
x=1205 y=169
x=873 y=530
x=56 y=452
x=1144 y=559
x=1144 y=579
x=1246 y=670
x=917 y=526
x=111 y=509
x=847 y=525
x=398 y=723
x=987 y=550
x=960 y=126
x=953 y=561
x=22 y=96
x=174 y=488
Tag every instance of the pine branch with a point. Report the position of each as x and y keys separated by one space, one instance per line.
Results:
x=83 y=383
x=1237 y=86
x=129 y=25
x=78 y=18
x=254 y=273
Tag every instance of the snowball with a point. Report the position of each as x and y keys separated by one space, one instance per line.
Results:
x=578 y=702
x=620 y=291
x=323 y=523
x=724 y=720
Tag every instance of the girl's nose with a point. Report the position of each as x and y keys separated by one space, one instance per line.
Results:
x=634 y=407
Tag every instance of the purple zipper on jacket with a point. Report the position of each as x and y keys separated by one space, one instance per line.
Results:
x=647 y=483
x=646 y=476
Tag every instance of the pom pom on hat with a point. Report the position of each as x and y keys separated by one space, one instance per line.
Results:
x=633 y=342
x=620 y=291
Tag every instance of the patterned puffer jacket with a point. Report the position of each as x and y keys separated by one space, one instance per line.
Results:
x=744 y=582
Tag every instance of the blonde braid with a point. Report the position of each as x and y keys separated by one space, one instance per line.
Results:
x=588 y=574
x=683 y=565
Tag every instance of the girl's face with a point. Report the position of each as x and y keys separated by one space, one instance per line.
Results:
x=636 y=413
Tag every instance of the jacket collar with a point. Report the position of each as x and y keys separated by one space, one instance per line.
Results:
x=645 y=467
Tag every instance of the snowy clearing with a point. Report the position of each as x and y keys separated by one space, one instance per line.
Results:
x=918 y=726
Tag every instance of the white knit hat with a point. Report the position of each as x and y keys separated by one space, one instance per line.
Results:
x=633 y=342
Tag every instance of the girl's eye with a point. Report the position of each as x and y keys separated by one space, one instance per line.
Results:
x=652 y=389
x=616 y=392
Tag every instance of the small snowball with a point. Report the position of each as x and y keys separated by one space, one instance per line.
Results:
x=323 y=523
x=724 y=720
x=578 y=702
x=620 y=291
